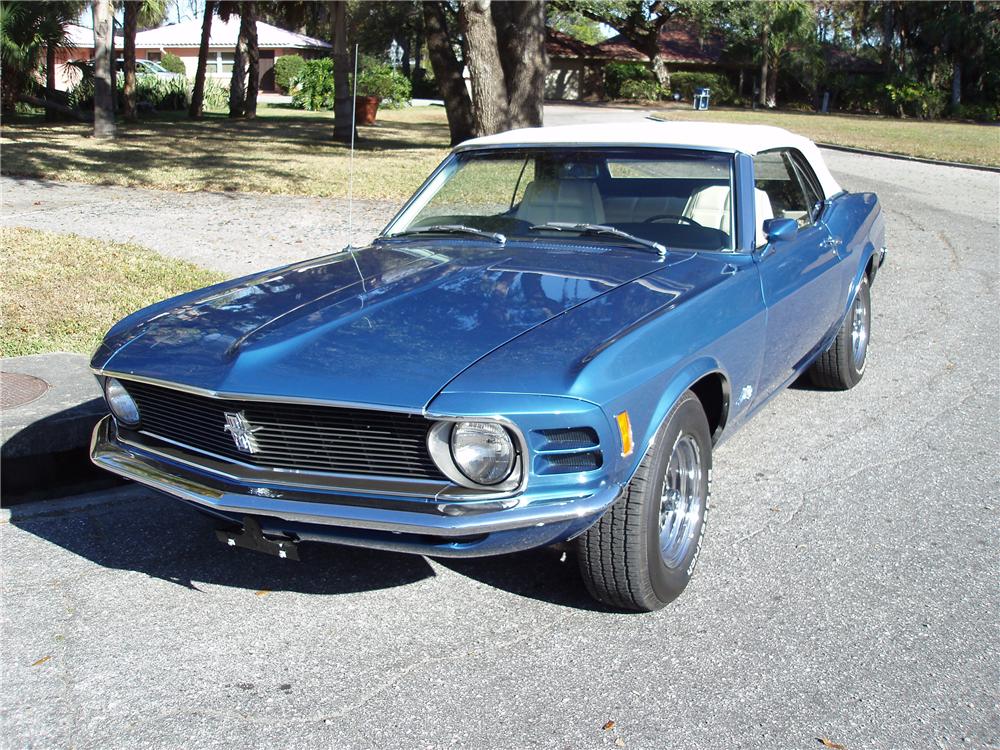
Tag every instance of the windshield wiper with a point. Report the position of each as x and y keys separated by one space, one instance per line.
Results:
x=565 y=226
x=453 y=229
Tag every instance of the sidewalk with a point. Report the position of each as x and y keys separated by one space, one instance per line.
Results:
x=235 y=233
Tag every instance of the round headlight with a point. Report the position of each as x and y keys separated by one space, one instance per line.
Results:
x=482 y=451
x=122 y=405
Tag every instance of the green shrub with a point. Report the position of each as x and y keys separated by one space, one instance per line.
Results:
x=382 y=80
x=914 y=99
x=685 y=82
x=857 y=93
x=616 y=74
x=313 y=88
x=286 y=70
x=216 y=96
x=648 y=90
x=978 y=112
x=164 y=94
x=173 y=63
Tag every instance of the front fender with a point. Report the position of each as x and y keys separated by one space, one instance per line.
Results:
x=646 y=419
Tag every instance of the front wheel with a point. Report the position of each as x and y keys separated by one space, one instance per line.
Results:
x=641 y=554
x=842 y=366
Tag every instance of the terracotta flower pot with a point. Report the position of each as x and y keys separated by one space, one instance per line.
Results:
x=365 y=109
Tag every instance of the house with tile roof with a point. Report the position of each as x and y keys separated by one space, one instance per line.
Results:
x=184 y=40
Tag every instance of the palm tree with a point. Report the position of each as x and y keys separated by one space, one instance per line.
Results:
x=148 y=13
x=198 y=95
x=104 y=95
x=26 y=28
x=245 y=81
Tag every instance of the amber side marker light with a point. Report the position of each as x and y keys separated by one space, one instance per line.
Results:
x=625 y=429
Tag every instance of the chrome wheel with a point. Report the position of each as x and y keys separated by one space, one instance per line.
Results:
x=859 y=332
x=681 y=501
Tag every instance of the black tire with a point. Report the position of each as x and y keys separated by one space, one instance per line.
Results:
x=620 y=556
x=841 y=367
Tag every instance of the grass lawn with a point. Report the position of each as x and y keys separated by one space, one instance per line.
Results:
x=61 y=292
x=951 y=141
x=283 y=151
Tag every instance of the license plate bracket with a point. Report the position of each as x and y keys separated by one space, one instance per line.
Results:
x=252 y=537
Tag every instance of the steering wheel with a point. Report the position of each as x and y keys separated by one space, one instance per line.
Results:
x=676 y=218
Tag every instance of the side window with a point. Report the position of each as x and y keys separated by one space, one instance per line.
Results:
x=778 y=190
x=810 y=185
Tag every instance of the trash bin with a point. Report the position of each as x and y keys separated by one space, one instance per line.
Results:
x=701 y=98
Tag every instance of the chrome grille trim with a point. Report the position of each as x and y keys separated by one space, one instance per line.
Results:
x=296 y=436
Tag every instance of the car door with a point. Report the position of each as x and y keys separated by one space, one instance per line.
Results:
x=799 y=276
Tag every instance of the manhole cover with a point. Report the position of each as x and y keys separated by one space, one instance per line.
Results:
x=17 y=389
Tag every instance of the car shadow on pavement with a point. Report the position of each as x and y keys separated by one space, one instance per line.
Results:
x=137 y=530
x=549 y=574
x=141 y=531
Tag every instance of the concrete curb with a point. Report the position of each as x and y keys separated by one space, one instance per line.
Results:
x=44 y=450
x=906 y=157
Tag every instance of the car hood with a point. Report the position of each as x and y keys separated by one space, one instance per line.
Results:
x=388 y=325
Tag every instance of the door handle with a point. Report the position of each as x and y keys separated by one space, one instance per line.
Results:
x=832 y=243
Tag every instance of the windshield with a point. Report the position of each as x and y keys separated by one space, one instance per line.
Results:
x=674 y=198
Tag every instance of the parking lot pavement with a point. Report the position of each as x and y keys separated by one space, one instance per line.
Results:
x=847 y=590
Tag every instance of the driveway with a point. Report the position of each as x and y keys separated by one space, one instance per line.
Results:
x=847 y=590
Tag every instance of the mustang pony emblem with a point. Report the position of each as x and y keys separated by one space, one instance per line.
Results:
x=242 y=432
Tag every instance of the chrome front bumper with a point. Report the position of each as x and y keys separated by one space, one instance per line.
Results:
x=434 y=526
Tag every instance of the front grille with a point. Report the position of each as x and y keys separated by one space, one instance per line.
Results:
x=293 y=436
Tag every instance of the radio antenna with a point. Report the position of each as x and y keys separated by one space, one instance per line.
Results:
x=350 y=177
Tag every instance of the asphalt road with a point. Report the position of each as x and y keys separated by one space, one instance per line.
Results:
x=848 y=589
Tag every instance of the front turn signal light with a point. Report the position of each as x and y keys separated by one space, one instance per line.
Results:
x=625 y=430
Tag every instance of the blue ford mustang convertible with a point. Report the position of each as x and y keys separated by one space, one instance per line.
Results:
x=545 y=345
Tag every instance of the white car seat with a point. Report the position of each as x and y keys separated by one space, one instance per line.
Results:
x=572 y=201
x=709 y=206
x=762 y=212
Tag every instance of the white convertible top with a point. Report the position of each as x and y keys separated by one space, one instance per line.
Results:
x=747 y=139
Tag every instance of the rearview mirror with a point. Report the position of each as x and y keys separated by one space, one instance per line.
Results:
x=780 y=229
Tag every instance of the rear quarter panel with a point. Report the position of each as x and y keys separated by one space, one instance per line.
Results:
x=857 y=220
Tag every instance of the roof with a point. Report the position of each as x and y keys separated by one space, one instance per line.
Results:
x=679 y=42
x=747 y=139
x=847 y=62
x=560 y=44
x=224 y=34
x=82 y=37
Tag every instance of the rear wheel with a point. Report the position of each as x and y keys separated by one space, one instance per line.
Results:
x=843 y=365
x=643 y=551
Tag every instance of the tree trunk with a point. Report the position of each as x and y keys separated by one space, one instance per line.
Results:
x=50 y=76
x=772 y=85
x=661 y=72
x=520 y=30
x=343 y=109
x=47 y=105
x=956 y=84
x=765 y=61
x=489 y=91
x=198 y=95
x=104 y=101
x=131 y=23
x=448 y=73
x=113 y=60
x=888 y=34
x=237 y=84
x=248 y=22
x=404 y=62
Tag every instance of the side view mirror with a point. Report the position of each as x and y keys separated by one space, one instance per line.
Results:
x=780 y=229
